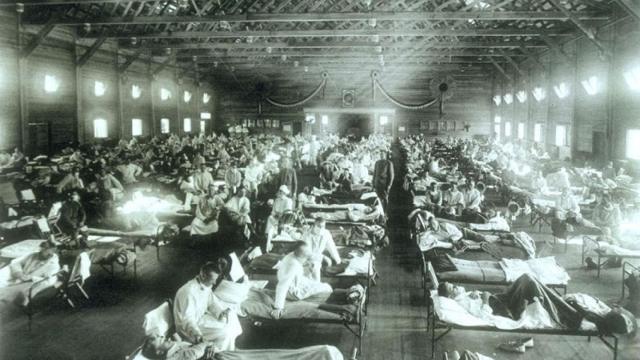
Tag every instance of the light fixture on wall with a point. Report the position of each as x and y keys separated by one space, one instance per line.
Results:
x=539 y=94
x=136 y=92
x=205 y=98
x=508 y=98
x=497 y=100
x=99 y=89
x=51 y=83
x=522 y=96
x=632 y=77
x=186 y=96
x=561 y=90
x=591 y=85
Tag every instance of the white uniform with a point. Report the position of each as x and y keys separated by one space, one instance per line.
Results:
x=293 y=284
x=196 y=312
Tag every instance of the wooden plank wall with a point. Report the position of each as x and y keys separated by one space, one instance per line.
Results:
x=469 y=102
x=584 y=114
x=56 y=120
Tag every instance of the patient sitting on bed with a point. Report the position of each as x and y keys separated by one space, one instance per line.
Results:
x=157 y=347
x=567 y=312
x=293 y=282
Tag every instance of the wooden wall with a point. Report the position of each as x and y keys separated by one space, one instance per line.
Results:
x=468 y=100
x=55 y=120
x=605 y=115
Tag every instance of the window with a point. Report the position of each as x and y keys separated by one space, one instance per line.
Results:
x=561 y=90
x=633 y=144
x=591 y=85
x=325 y=119
x=521 y=130
x=632 y=77
x=100 y=128
x=507 y=128
x=165 y=94
x=186 y=125
x=384 y=119
x=539 y=94
x=497 y=100
x=203 y=126
x=497 y=128
x=164 y=126
x=522 y=96
x=205 y=98
x=99 y=89
x=537 y=132
x=136 y=92
x=136 y=127
x=508 y=98
x=310 y=118
x=561 y=135
x=51 y=83
x=186 y=96
x=205 y=115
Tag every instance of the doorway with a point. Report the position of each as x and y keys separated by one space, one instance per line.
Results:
x=355 y=125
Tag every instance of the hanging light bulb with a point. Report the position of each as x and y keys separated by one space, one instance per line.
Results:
x=373 y=22
x=283 y=57
x=215 y=64
x=296 y=63
x=306 y=69
x=269 y=49
x=134 y=40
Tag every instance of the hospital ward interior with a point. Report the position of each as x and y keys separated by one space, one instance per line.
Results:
x=319 y=179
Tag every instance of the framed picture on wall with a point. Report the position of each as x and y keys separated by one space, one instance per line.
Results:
x=348 y=98
x=275 y=123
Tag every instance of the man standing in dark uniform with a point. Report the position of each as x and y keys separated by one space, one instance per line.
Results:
x=383 y=178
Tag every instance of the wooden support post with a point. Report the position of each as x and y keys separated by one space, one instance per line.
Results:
x=80 y=135
x=502 y=70
x=119 y=84
x=23 y=138
x=91 y=51
x=152 y=100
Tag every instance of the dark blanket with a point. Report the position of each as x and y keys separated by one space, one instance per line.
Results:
x=518 y=295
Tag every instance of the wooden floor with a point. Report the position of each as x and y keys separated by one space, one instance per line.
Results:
x=109 y=325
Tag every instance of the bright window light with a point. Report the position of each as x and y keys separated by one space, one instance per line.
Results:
x=205 y=98
x=508 y=98
x=99 y=88
x=203 y=126
x=497 y=119
x=633 y=144
x=136 y=92
x=521 y=130
x=205 y=115
x=507 y=128
x=591 y=85
x=632 y=77
x=325 y=119
x=164 y=126
x=100 y=128
x=561 y=90
x=310 y=118
x=186 y=125
x=186 y=96
x=539 y=94
x=384 y=120
x=522 y=96
x=497 y=129
x=51 y=83
x=537 y=132
x=165 y=94
x=497 y=100
x=561 y=135
x=136 y=127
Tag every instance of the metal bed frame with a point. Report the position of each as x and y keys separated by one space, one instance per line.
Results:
x=600 y=255
x=433 y=322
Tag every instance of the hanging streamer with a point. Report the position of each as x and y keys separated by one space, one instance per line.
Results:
x=377 y=84
x=300 y=102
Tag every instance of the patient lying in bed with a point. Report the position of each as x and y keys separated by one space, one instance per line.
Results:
x=157 y=347
x=531 y=304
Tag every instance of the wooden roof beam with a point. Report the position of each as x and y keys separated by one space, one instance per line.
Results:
x=631 y=6
x=38 y=39
x=501 y=70
x=91 y=51
x=340 y=16
x=588 y=32
x=328 y=33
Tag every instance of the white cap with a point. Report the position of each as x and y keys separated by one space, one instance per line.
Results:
x=284 y=189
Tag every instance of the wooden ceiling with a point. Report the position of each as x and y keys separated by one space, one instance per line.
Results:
x=239 y=41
